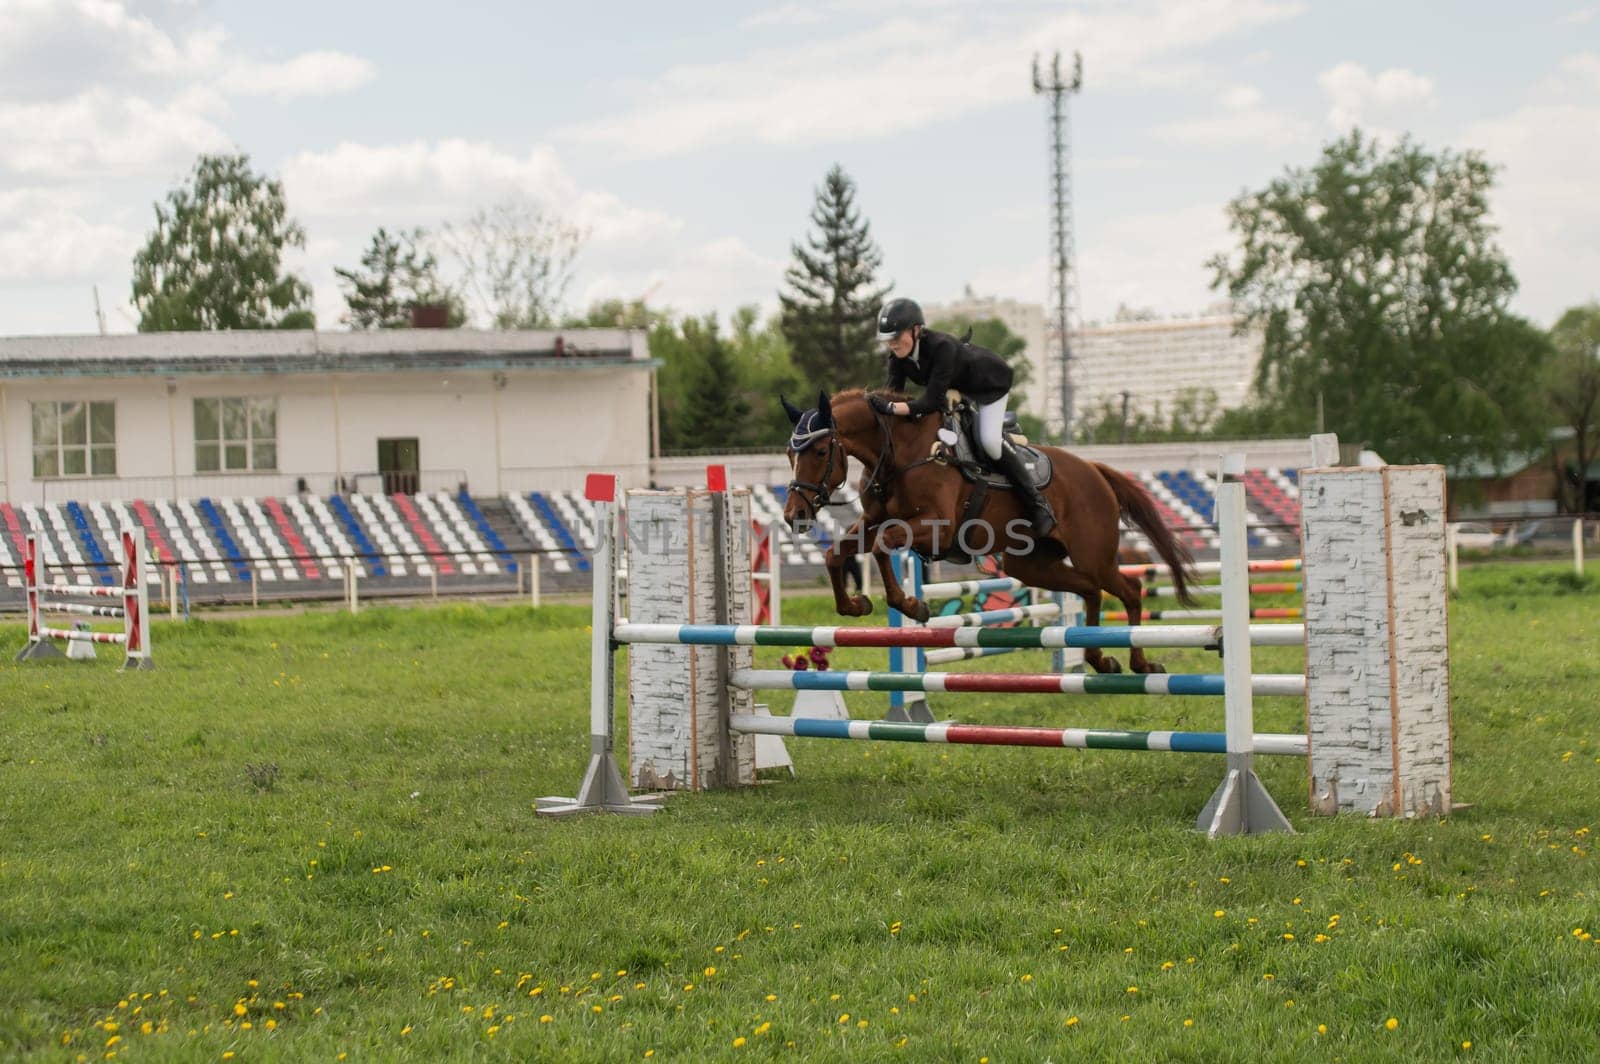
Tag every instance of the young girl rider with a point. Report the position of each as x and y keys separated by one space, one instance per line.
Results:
x=941 y=362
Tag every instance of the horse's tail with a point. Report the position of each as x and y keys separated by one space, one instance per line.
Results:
x=1136 y=506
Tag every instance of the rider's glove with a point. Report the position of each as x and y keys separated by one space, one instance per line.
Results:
x=880 y=404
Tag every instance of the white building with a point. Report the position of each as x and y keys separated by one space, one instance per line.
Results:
x=1154 y=361
x=182 y=415
x=1025 y=320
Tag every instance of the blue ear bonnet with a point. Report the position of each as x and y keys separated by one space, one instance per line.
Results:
x=808 y=428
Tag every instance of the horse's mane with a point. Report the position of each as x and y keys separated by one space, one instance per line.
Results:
x=862 y=393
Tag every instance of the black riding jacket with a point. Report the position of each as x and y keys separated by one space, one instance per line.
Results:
x=942 y=362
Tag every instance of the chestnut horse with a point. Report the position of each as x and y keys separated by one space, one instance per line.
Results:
x=909 y=500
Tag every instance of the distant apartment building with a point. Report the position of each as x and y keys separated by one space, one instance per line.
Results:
x=1154 y=360
x=1157 y=360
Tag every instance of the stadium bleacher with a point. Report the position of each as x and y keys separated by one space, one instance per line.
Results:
x=302 y=544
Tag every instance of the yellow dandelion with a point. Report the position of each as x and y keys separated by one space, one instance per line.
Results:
x=1188 y=1023
x=710 y=972
x=1391 y=1023
x=1467 y=1044
x=1220 y=913
x=1133 y=990
x=738 y=1042
x=1322 y=1028
x=1072 y=1021
x=546 y=1018
x=844 y=1017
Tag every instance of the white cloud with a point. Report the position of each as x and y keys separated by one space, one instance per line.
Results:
x=430 y=182
x=1581 y=17
x=1242 y=119
x=1544 y=201
x=1359 y=98
x=45 y=236
x=916 y=72
x=47 y=45
x=785 y=15
x=1152 y=260
x=100 y=133
x=309 y=74
x=717 y=275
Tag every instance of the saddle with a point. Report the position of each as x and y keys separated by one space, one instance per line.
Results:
x=958 y=447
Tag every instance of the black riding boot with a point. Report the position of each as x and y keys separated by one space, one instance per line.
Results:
x=1016 y=470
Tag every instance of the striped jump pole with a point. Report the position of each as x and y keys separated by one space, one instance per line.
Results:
x=1262 y=565
x=1072 y=683
x=1178 y=742
x=1080 y=636
x=962 y=588
x=1255 y=613
x=134 y=611
x=1164 y=591
x=911 y=705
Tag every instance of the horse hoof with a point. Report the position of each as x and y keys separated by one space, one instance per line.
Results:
x=1110 y=664
x=916 y=609
x=860 y=606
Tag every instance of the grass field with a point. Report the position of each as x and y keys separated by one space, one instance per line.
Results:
x=313 y=838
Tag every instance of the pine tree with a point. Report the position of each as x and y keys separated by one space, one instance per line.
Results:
x=829 y=317
x=397 y=272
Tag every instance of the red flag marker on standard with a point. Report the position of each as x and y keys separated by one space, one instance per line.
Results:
x=600 y=487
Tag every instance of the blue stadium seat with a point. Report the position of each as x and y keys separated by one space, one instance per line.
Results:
x=558 y=528
x=358 y=535
x=219 y=531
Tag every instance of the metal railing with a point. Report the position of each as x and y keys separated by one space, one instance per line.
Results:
x=234 y=485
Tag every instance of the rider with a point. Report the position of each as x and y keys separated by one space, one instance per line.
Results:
x=941 y=362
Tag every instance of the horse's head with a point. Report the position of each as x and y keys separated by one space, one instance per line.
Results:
x=818 y=460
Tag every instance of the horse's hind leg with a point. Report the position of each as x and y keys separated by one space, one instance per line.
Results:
x=1057 y=575
x=1129 y=591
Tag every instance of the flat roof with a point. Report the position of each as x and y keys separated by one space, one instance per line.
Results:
x=314 y=351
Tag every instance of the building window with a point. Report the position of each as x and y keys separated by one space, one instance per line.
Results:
x=235 y=435
x=75 y=439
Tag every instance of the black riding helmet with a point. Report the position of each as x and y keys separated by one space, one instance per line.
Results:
x=897 y=316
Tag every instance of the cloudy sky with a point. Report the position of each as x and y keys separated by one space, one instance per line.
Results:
x=689 y=138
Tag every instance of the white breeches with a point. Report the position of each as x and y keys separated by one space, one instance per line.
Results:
x=991 y=420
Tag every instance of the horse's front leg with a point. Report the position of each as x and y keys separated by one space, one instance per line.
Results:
x=844 y=548
x=895 y=536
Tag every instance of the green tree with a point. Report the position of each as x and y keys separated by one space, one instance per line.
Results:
x=1574 y=395
x=1383 y=301
x=215 y=257
x=700 y=394
x=618 y=314
x=397 y=272
x=766 y=368
x=829 y=314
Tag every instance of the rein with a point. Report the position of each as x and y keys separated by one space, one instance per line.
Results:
x=883 y=473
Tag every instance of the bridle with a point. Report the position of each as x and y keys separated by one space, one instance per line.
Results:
x=878 y=480
x=821 y=492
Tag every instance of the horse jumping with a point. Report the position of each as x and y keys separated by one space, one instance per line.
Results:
x=909 y=499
